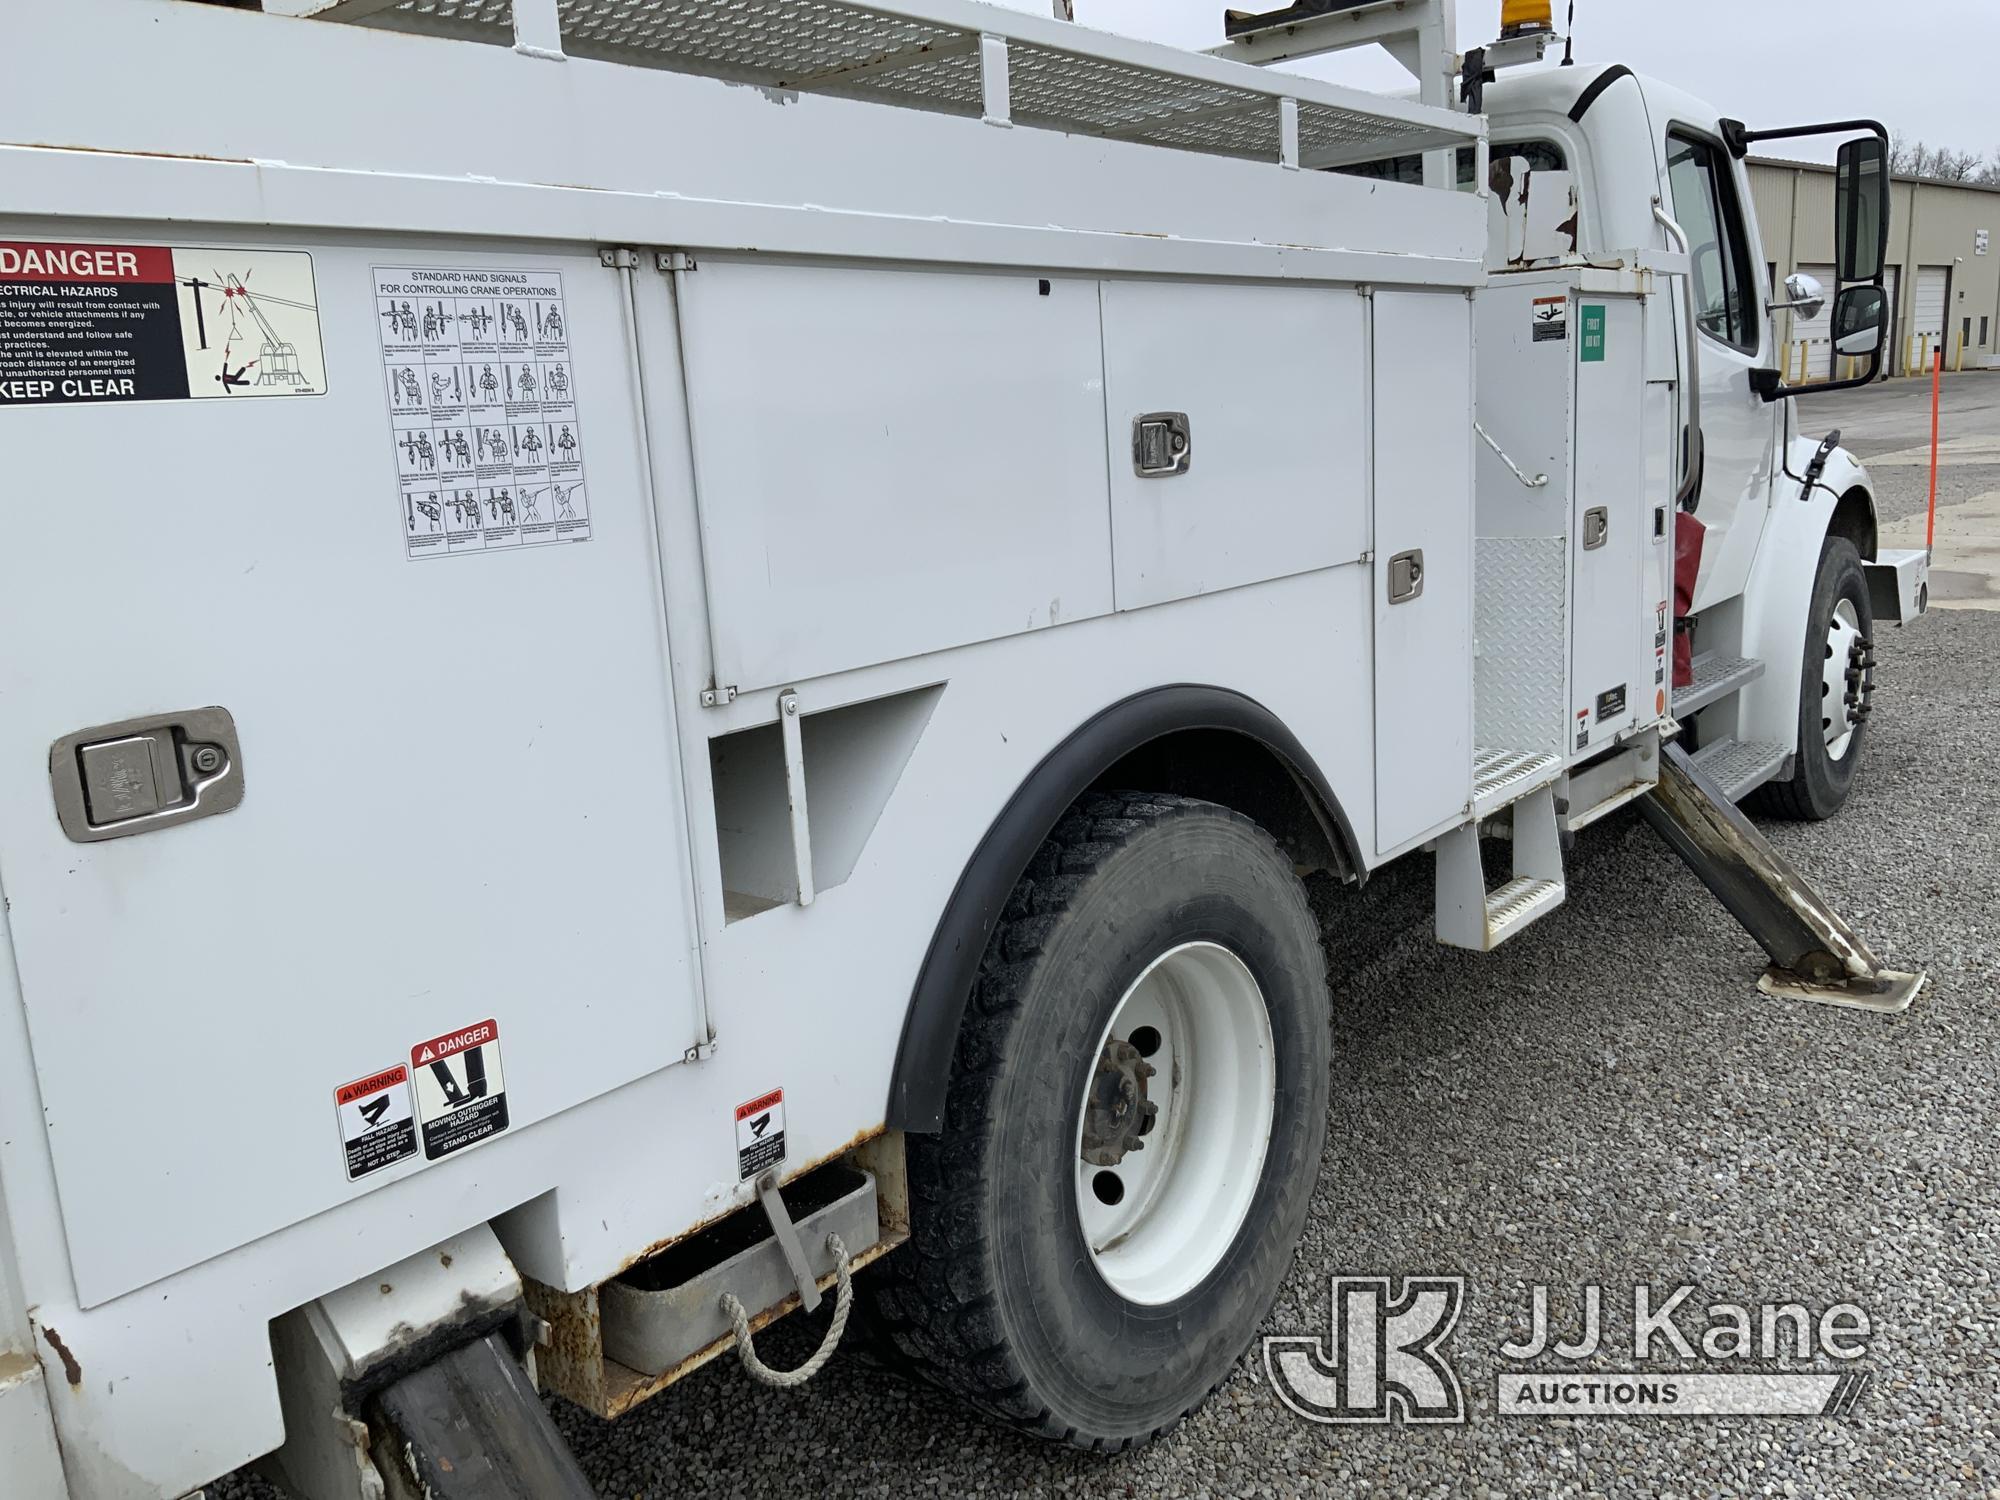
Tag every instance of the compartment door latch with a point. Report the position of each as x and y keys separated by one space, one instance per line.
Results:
x=142 y=774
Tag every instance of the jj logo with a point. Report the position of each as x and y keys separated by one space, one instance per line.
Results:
x=1382 y=1358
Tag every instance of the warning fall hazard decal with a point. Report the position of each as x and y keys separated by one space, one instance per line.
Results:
x=461 y=1091
x=377 y=1126
x=91 y=323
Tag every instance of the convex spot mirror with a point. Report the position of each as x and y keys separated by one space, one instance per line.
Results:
x=1861 y=209
x=1860 y=318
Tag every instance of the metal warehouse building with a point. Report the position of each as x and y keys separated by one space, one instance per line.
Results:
x=1944 y=273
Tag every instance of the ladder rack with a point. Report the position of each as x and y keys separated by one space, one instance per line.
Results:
x=951 y=56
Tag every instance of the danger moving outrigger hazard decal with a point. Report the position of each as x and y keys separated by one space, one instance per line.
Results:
x=92 y=323
x=461 y=1092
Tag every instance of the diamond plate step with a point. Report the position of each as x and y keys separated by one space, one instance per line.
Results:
x=1517 y=903
x=1715 y=676
x=1739 y=767
x=1503 y=776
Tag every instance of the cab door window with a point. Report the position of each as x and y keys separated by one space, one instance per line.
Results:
x=1706 y=204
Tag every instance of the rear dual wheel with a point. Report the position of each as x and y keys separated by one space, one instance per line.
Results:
x=1133 y=1128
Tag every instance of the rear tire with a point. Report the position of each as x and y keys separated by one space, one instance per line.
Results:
x=1001 y=1296
x=1830 y=739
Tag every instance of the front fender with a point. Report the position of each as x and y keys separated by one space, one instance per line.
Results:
x=1779 y=590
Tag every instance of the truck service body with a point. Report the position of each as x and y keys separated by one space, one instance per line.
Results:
x=612 y=604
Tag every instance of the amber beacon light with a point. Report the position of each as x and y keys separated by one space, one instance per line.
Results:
x=1518 y=17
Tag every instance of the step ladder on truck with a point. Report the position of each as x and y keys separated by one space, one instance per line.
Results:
x=729 y=707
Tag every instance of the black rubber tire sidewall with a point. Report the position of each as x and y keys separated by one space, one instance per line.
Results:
x=1820 y=784
x=1107 y=1367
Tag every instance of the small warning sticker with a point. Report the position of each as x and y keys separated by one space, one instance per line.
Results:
x=1551 y=319
x=377 y=1125
x=760 y=1134
x=461 y=1091
x=91 y=323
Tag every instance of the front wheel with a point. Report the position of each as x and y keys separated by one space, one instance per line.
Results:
x=1132 y=1132
x=1834 y=694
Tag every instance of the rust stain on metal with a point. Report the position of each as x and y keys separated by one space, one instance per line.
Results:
x=854 y=1142
x=72 y=1371
x=227 y=161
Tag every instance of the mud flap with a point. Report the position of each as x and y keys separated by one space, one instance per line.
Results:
x=469 y=1426
x=1815 y=955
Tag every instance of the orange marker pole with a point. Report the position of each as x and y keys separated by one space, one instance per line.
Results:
x=1937 y=396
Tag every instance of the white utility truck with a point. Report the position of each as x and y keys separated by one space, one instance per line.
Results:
x=657 y=649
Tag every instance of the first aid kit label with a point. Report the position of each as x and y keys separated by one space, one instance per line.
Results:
x=760 y=1134
x=488 y=445
x=461 y=1090
x=378 y=1127
x=84 y=323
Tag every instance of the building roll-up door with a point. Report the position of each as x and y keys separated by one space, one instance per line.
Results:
x=1933 y=283
x=1816 y=333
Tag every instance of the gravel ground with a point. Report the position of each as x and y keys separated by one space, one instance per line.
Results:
x=1606 y=1100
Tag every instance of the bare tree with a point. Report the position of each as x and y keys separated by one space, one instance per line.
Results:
x=1908 y=158
x=1065 y=10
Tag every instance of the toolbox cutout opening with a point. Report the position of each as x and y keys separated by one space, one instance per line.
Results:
x=854 y=756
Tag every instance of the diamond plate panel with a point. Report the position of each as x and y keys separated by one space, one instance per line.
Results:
x=1520 y=616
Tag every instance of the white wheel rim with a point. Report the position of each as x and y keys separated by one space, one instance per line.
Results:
x=1163 y=1217
x=1843 y=631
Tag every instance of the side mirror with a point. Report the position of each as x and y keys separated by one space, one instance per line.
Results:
x=1860 y=319
x=1804 y=296
x=1861 y=209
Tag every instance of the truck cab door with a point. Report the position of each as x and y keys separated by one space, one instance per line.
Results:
x=1739 y=427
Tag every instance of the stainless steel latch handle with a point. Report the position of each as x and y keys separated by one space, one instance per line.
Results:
x=141 y=774
x=1406 y=576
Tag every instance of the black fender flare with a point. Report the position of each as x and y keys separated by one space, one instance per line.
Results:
x=950 y=967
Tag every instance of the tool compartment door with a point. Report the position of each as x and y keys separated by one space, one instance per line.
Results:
x=1423 y=405
x=461 y=783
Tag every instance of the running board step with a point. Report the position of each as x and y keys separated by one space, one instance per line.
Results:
x=1716 y=676
x=1739 y=767
x=1471 y=916
x=1815 y=954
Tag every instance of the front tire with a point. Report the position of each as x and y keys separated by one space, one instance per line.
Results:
x=1132 y=1132
x=1835 y=692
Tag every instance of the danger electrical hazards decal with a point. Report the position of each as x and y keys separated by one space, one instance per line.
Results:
x=377 y=1126
x=760 y=1134
x=107 y=323
x=461 y=1091
x=482 y=409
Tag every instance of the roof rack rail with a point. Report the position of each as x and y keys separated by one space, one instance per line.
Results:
x=1419 y=34
x=957 y=57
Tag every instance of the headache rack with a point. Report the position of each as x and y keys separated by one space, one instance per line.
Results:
x=955 y=57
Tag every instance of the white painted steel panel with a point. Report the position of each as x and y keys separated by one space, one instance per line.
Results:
x=892 y=462
x=1273 y=381
x=461 y=785
x=1423 y=499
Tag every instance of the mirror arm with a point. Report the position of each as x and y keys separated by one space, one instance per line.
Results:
x=1739 y=139
x=1690 y=487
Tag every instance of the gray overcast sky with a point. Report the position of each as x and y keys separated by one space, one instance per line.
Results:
x=1926 y=68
